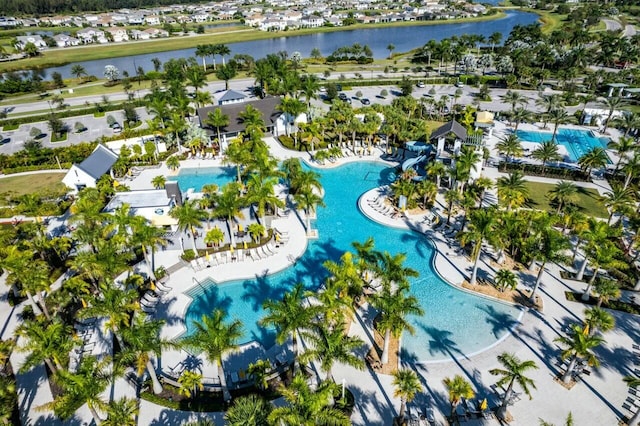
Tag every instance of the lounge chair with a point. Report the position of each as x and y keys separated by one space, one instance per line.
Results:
x=194 y=265
x=213 y=261
x=240 y=256
x=219 y=258
x=270 y=247
x=162 y=287
x=266 y=252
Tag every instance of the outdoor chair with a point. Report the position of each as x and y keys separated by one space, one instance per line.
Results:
x=194 y=265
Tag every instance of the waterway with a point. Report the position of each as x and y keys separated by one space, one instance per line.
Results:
x=404 y=38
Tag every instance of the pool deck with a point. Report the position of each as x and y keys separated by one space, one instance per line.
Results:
x=596 y=399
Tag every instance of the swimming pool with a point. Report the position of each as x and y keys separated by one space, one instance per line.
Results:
x=196 y=178
x=455 y=322
x=577 y=142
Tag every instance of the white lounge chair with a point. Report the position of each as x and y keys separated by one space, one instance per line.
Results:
x=271 y=248
x=219 y=258
x=240 y=256
x=255 y=254
x=194 y=265
x=162 y=287
x=266 y=252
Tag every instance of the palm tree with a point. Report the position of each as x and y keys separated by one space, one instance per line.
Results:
x=406 y=385
x=512 y=189
x=292 y=108
x=578 y=345
x=519 y=116
x=261 y=192
x=249 y=410
x=394 y=305
x=141 y=342
x=190 y=382
x=202 y=51
x=436 y=169
x=229 y=205
x=513 y=371
x=115 y=304
x=622 y=146
x=563 y=194
x=215 y=337
x=510 y=146
x=601 y=254
x=145 y=236
x=597 y=319
x=307 y=199
x=545 y=152
x=122 y=412
x=633 y=382
x=45 y=342
x=330 y=345
x=558 y=116
x=259 y=371
x=218 y=120
x=214 y=236
x=606 y=290
x=594 y=159
x=619 y=200
x=288 y=316
x=78 y=71
x=611 y=104
x=158 y=182
x=481 y=224
x=189 y=217
x=568 y=421
x=226 y=72
x=308 y=407
x=550 y=247
x=505 y=278
x=631 y=167
x=514 y=98
x=86 y=385
x=310 y=86
x=173 y=162
x=457 y=388
x=549 y=103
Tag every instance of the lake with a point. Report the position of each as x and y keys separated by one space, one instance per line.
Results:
x=404 y=38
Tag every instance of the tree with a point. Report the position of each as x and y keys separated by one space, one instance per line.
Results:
x=78 y=71
x=457 y=388
x=159 y=181
x=261 y=193
x=505 y=278
x=597 y=319
x=601 y=254
x=405 y=386
x=229 y=205
x=611 y=104
x=330 y=345
x=259 y=371
x=202 y=51
x=391 y=48
x=218 y=120
x=226 y=72
x=190 y=383
x=578 y=345
x=545 y=152
x=173 y=162
x=308 y=407
x=111 y=73
x=481 y=225
x=606 y=290
x=288 y=316
x=214 y=236
x=189 y=217
x=122 y=412
x=215 y=337
x=514 y=99
x=510 y=146
x=45 y=342
x=513 y=371
x=249 y=410
x=623 y=146
x=549 y=247
x=563 y=194
x=558 y=116
x=594 y=159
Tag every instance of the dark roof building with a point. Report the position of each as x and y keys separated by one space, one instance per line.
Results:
x=451 y=127
x=268 y=108
x=91 y=169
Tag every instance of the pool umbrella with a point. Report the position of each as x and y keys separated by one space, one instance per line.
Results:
x=152 y=286
x=245 y=245
x=231 y=248
x=208 y=256
x=483 y=405
x=239 y=227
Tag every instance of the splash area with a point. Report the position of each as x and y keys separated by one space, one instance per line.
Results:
x=577 y=142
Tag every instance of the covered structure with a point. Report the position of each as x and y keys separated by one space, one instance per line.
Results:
x=87 y=173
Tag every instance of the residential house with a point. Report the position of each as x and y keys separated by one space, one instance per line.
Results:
x=139 y=35
x=118 y=34
x=22 y=41
x=91 y=35
x=65 y=40
x=229 y=97
x=87 y=173
x=8 y=22
x=200 y=17
x=31 y=22
x=152 y=20
x=136 y=19
x=156 y=32
x=311 y=21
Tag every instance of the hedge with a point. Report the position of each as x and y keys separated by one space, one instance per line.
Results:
x=549 y=171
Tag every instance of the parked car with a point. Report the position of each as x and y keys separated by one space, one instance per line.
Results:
x=420 y=84
x=116 y=127
x=365 y=101
x=459 y=84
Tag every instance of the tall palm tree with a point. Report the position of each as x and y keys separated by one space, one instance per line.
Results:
x=122 y=412
x=606 y=290
x=310 y=86
x=229 y=204
x=292 y=108
x=512 y=189
x=202 y=51
x=307 y=406
x=394 y=305
x=601 y=254
x=436 y=169
x=513 y=371
x=189 y=217
x=307 y=199
x=558 y=116
x=633 y=382
x=514 y=99
x=505 y=278
x=519 y=116
x=631 y=167
x=594 y=159
x=545 y=152
x=261 y=193
x=481 y=224
x=331 y=345
x=623 y=146
x=190 y=382
x=147 y=236
x=578 y=345
x=45 y=342
x=549 y=103
x=405 y=386
x=550 y=247
x=289 y=315
x=218 y=120
x=457 y=388
x=141 y=342
x=86 y=385
x=563 y=194
x=215 y=338
x=249 y=410
x=510 y=146
x=611 y=104
x=597 y=319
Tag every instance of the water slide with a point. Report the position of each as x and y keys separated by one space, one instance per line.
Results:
x=413 y=162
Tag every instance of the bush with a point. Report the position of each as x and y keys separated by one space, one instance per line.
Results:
x=549 y=171
x=188 y=255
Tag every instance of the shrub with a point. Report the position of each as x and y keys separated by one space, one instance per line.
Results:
x=188 y=255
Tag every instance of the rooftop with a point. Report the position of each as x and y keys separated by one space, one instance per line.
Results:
x=99 y=162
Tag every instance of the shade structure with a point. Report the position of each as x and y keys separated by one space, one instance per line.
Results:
x=483 y=405
x=484 y=117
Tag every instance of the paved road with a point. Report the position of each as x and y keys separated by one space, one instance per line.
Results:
x=612 y=25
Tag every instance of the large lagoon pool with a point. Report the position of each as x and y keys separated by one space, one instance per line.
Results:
x=577 y=142
x=455 y=323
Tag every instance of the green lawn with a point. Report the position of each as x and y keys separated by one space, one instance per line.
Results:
x=42 y=183
x=588 y=199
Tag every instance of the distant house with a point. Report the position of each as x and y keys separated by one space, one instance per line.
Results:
x=87 y=173
x=139 y=35
x=118 y=34
x=156 y=32
x=229 y=97
x=22 y=41
x=91 y=35
x=152 y=20
x=65 y=40
x=275 y=121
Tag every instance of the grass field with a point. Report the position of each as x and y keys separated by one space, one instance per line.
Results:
x=588 y=200
x=15 y=186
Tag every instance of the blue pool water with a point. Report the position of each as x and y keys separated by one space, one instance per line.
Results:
x=196 y=178
x=577 y=142
x=455 y=322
